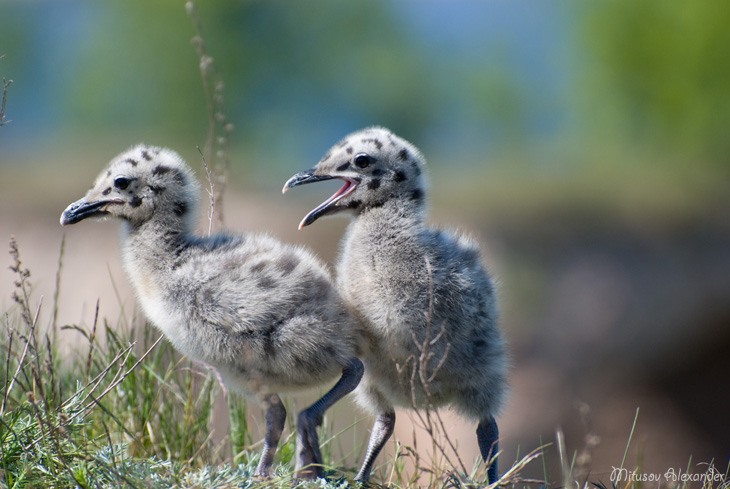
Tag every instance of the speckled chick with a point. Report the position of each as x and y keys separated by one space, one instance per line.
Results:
x=423 y=293
x=264 y=314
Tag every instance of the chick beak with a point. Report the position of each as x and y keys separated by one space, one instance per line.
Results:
x=303 y=178
x=81 y=209
x=329 y=205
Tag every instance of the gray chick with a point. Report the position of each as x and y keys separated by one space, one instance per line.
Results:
x=423 y=294
x=264 y=314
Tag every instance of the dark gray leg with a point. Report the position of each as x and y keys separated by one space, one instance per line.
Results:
x=309 y=458
x=275 y=419
x=488 y=438
x=381 y=432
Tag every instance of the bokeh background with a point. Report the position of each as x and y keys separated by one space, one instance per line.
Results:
x=585 y=144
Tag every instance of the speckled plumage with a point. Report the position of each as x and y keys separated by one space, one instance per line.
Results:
x=264 y=314
x=411 y=285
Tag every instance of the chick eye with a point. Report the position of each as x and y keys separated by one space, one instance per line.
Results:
x=362 y=160
x=121 y=183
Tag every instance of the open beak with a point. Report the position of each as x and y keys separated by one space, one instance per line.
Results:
x=329 y=205
x=81 y=209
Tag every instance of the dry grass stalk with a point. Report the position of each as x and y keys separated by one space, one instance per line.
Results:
x=211 y=192
x=217 y=149
x=6 y=85
x=447 y=467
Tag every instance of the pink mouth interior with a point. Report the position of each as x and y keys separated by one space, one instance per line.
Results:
x=343 y=192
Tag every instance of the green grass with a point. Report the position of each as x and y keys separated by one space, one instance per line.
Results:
x=123 y=409
x=121 y=402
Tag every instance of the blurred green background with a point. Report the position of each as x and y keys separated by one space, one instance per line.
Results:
x=584 y=143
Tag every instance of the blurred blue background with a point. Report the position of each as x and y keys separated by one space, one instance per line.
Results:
x=584 y=143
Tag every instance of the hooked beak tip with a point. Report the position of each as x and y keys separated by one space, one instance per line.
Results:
x=294 y=181
x=303 y=178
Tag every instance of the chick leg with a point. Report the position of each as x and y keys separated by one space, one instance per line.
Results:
x=381 y=432
x=275 y=419
x=309 y=458
x=488 y=438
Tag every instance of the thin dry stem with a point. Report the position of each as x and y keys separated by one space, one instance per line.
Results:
x=211 y=192
x=217 y=148
x=427 y=379
x=92 y=337
x=54 y=320
x=563 y=454
x=22 y=285
x=28 y=340
x=6 y=84
x=51 y=372
x=512 y=475
x=100 y=377
x=123 y=355
x=119 y=379
x=7 y=363
x=422 y=372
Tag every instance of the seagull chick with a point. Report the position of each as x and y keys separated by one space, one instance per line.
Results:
x=264 y=314
x=428 y=303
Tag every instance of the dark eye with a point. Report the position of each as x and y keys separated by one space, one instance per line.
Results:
x=121 y=183
x=362 y=160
